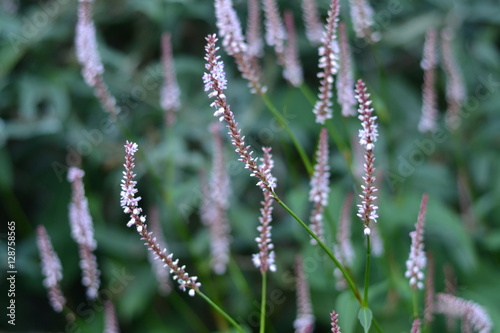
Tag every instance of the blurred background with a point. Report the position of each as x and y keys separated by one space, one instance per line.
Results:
x=50 y=120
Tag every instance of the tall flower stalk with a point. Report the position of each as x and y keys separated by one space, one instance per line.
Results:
x=130 y=205
x=312 y=22
x=215 y=204
x=472 y=314
x=362 y=20
x=292 y=69
x=170 y=92
x=415 y=265
x=334 y=321
x=328 y=64
x=367 y=211
x=429 y=99
x=455 y=88
x=345 y=80
x=275 y=30
x=88 y=56
x=234 y=43
x=215 y=82
x=82 y=231
x=51 y=269
x=304 y=322
x=320 y=186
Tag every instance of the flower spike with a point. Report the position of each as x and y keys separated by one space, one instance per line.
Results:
x=130 y=205
x=367 y=137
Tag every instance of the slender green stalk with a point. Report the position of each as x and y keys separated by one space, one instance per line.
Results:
x=367 y=271
x=323 y=246
x=263 y=304
x=222 y=312
x=296 y=143
x=415 y=304
x=377 y=325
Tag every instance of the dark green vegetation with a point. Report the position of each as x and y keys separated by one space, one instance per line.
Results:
x=50 y=118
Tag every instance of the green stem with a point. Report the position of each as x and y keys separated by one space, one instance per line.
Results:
x=323 y=246
x=283 y=123
x=367 y=271
x=377 y=325
x=222 y=312
x=415 y=304
x=263 y=304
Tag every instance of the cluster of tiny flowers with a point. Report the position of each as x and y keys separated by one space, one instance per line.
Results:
x=472 y=314
x=417 y=260
x=170 y=93
x=86 y=44
x=162 y=275
x=362 y=20
x=328 y=62
x=254 y=38
x=320 y=186
x=367 y=137
x=429 y=102
x=305 y=318
x=82 y=231
x=234 y=43
x=215 y=82
x=312 y=23
x=214 y=205
x=455 y=88
x=88 y=56
x=265 y=259
x=110 y=321
x=345 y=80
x=51 y=269
x=275 y=30
x=292 y=69
x=129 y=203
x=334 y=319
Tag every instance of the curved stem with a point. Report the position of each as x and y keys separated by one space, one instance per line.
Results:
x=222 y=312
x=351 y=284
x=283 y=123
x=367 y=271
x=263 y=304
x=377 y=325
x=415 y=304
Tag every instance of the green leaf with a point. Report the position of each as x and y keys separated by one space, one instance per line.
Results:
x=365 y=318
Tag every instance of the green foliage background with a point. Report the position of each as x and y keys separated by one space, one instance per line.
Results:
x=49 y=117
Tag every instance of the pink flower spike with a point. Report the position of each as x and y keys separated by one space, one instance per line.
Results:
x=473 y=314
x=265 y=258
x=320 y=186
x=215 y=82
x=304 y=322
x=429 y=101
x=312 y=22
x=214 y=206
x=292 y=68
x=254 y=36
x=415 y=265
x=328 y=64
x=170 y=92
x=51 y=269
x=234 y=43
x=455 y=88
x=334 y=319
x=130 y=205
x=110 y=321
x=275 y=30
x=345 y=80
x=362 y=20
x=82 y=231
x=367 y=210
x=88 y=56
